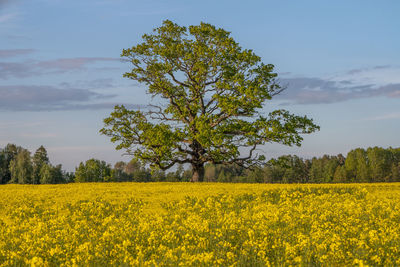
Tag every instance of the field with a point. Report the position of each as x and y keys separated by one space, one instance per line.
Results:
x=170 y=224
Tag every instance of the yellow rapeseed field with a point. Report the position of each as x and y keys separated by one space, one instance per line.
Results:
x=183 y=224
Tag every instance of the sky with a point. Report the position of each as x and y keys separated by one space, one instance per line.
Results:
x=61 y=71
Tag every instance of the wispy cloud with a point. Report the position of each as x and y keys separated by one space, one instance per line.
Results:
x=389 y=116
x=90 y=84
x=7 y=53
x=360 y=83
x=57 y=66
x=49 y=98
x=68 y=64
x=37 y=98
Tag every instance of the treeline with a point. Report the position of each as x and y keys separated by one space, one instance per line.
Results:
x=360 y=165
x=94 y=170
x=370 y=165
x=18 y=166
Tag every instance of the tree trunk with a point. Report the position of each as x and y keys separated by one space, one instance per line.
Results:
x=198 y=173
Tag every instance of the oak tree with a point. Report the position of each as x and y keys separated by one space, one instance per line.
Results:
x=209 y=96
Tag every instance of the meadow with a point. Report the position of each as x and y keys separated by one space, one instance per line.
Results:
x=208 y=224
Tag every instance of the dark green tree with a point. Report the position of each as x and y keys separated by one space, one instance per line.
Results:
x=45 y=174
x=356 y=166
x=158 y=175
x=51 y=174
x=3 y=170
x=213 y=92
x=395 y=173
x=132 y=167
x=21 y=168
x=118 y=173
x=59 y=176
x=380 y=161
x=323 y=169
x=294 y=170
x=340 y=175
x=39 y=159
x=8 y=154
x=93 y=170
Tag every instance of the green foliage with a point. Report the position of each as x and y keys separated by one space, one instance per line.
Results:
x=7 y=155
x=323 y=169
x=340 y=175
x=16 y=166
x=118 y=173
x=214 y=92
x=357 y=165
x=21 y=168
x=51 y=174
x=39 y=159
x=380 y=162
x=395 y=172
x=93 y=170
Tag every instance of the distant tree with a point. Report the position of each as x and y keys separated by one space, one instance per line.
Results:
x=357 y=166
x=138 y=171
x=8 y=154
x=118 y=173
x=341 y=159
x=395 y=172
x=286 y=169
x=214 y=92
x=142 y=175
x=340 y=175
x=93 y=170
x=275 y=169
x=51 y=174
x=2 y=169
x=59 y=176
x=39 y=159
x=323 y=169
x=133 y=167
x=158 y=175
x=316 y=170
x=69 y=177
x=45 y=174
x=294 y=169
x=254 y=175
x=21 y=168
x=380 y=161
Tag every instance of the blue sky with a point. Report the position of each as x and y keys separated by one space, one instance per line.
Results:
x=61 y=73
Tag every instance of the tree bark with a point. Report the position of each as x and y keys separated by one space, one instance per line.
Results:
x=198 y=173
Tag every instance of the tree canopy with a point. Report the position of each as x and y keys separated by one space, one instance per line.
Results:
x=209 y=96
